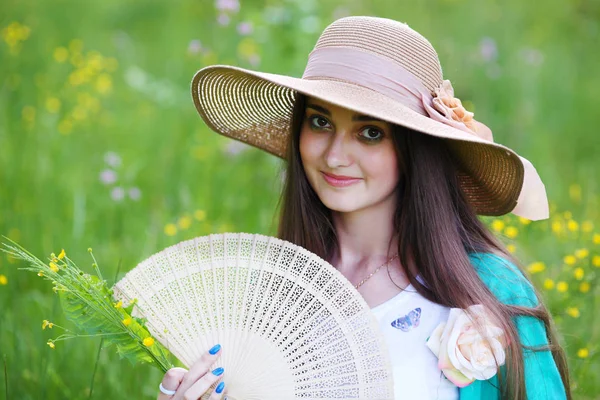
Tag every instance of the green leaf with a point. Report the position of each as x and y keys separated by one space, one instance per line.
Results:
x=101 y=318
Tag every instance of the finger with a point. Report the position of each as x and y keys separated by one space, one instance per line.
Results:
x=199 y=369
x=171 y=381
x=203 y=384
x=219 y=392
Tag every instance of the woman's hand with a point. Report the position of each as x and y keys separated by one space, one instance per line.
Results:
x=193 y=384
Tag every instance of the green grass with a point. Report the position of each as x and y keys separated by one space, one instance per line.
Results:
x=539 y=96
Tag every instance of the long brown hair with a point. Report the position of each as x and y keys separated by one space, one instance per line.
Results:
x=430 y=199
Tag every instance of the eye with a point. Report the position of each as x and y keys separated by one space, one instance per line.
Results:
x=371 y=134
x=318 y=122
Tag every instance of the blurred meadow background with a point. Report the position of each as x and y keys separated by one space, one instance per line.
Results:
x=101 y=146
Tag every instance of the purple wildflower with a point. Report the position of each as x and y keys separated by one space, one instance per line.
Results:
x=244 y=28
x=108 y=176
x=112 y=159
x=117 y=193
x=228 y=5
x=135 y=193
x=223 y=19
x=488 y=49
x=194 y=47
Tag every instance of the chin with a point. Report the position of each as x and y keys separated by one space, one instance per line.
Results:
x=340 y=202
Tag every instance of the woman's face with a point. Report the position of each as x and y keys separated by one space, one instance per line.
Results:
x=337 y=142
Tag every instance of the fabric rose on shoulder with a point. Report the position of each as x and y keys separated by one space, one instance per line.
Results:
x=463 y=353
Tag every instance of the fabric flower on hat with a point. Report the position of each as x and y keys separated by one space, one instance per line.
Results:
x=451 y=107
x=464 y=354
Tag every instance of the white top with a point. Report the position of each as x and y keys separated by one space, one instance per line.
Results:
x=406 y=321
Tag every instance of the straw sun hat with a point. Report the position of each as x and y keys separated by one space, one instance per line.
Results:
x=385 y=69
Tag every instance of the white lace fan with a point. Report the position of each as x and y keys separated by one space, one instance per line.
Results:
x=290 y=325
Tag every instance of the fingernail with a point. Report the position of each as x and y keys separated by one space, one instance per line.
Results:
x=218 y=371
x=215 y=349
x=220 y=387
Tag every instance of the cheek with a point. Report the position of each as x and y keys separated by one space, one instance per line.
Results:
x=383 y=167
x=309 y=146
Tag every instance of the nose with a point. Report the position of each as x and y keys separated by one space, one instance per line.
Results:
x=338 y=151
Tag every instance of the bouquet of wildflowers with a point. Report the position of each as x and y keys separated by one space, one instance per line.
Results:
x=88 y=302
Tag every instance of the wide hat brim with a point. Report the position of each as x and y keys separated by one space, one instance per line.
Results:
x=256 y=108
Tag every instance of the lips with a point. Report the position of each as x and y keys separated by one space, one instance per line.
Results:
x=339 y=180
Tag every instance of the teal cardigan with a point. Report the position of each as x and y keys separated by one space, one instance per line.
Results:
x=507 y=283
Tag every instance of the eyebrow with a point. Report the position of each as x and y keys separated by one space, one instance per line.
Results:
x=355 y=117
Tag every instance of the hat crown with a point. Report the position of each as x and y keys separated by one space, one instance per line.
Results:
x=386 y=38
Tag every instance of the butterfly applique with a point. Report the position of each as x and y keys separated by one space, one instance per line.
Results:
x=409 y=321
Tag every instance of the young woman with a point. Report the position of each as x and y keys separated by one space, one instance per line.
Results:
x=386 y=174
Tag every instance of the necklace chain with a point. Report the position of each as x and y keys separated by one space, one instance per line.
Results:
x=374 y=272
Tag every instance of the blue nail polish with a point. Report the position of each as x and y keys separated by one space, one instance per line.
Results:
x=220 y=387
x=215 y=349
x=218 y=371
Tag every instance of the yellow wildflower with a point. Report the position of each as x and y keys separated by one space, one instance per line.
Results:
x=572 y=225
x=52 y=105
x=119 y=304
x=184 y=222
x=60 y=54
x=79 y=113
x=62 y=254
x=579 y=273
x=76 y=78
x=557 y=227
x=582 y=253
x=570 y=260
x=536 y=267
x=584 y=287
x=511 y=232
x=200 y=215
x=170 y=229
x=596 y=238
x=40 y=273
x=47 y=324
x=148 y=342
x=65 y=126
x=498 y=225
x=583 y=353
x=511 y=248
x=575 y=192
x=3 y=280
x=562 y=286
x=53 y=266
x=104 y=83
x=524 y=221
x=596 y=261
x=127 y=321
x=587 y=226
x=28 y=114
x=50 y=343
x=573 y=312
x=548 y=284
x=247 y=47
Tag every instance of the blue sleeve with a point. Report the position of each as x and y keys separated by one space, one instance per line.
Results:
x=507 y=283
